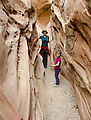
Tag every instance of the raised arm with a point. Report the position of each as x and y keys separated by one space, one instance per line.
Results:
x=51 y=40
x=39 y=38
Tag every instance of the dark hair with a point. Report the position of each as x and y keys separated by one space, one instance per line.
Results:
x=59 y=53
x=44 y=31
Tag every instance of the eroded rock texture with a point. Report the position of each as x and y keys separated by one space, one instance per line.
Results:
x=43 y=12
x=20 y=71
x=18 y=54
x=71 y=21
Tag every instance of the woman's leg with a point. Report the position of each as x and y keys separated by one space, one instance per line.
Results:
x=46 y=56
x=56 y=76
x=45 y=59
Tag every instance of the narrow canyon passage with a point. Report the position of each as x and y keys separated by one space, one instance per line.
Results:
x=62 y=104
x=26 y=92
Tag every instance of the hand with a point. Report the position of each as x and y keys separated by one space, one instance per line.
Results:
x=52 y=69
x=51 y=65
x=50 y=41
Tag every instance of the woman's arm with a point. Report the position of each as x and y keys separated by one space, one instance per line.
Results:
x=39 y=38
x=50 y=41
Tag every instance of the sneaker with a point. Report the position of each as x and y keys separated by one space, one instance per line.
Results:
x=55 y=85
x=52 y=83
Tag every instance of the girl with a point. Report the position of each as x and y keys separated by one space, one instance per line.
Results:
x=57 y=68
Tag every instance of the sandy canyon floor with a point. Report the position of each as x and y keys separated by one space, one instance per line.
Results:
x=63 y=105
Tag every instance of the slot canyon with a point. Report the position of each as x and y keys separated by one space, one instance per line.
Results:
x=26 y=92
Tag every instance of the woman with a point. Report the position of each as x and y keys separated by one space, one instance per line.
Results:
x=44 y=47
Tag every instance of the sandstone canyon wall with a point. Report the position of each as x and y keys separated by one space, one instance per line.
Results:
x=71 y=22
x=43 y=12
x=18 y=53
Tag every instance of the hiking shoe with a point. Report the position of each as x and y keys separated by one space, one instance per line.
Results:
x=55 y=85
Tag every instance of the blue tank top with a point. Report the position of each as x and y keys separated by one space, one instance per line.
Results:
x=44 y=40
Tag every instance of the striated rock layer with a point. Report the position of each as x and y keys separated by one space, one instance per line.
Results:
x=71 y=23
x=43 y=12
x=18 y=54
x=21 y=69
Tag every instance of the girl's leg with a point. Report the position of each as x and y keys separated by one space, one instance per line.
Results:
x=56 y=76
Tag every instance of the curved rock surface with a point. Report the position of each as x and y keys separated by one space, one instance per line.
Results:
x=21 y=69
x=18 y=54
x=71 y=22
x=43 y=12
